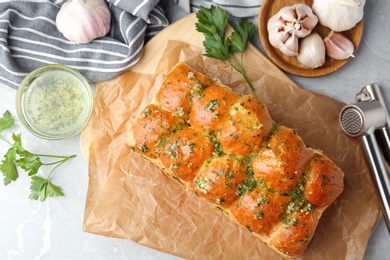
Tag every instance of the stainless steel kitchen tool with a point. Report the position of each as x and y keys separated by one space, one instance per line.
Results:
x=373 y=92
x=368 y=120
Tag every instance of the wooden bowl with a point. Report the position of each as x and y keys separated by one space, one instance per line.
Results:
x=291 y=64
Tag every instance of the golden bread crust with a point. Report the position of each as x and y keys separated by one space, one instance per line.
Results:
x=225 y=147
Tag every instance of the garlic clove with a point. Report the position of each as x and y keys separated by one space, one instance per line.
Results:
x=289 y=24
x=307 y=20
x=338 y=46
x=312 y=51
x=309 y=23
x=287 y=15
x=82 y=21
x=291 y=46
x=339 y=15
x=285 y=42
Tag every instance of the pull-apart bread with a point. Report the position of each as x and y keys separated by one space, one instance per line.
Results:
x=226 y=148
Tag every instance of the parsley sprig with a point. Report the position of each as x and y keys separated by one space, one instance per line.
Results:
x=41 y=187
x=212 y=23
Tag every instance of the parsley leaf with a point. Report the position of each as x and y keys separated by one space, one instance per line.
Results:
x=16 y=155
x=240 y=37
x=29 y=162
x=41 y=188
x=212 y=23
x=216 y=47
x=17 y=142
x=6 y=121
x=8 y=167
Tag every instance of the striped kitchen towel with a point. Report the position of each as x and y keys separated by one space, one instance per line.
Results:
x=235 y=8
x=29 y=38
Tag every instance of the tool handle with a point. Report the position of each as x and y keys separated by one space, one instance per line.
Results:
x=373 y=92
x=379 y=175
x=383 y=139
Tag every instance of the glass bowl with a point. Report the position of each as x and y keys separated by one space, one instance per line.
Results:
x=54 y=102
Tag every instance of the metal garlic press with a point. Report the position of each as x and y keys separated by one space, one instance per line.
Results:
x=369 y=121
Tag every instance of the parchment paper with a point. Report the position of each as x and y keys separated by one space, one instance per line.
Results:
x=129 y=198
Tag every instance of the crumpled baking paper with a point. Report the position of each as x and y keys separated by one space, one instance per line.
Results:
x=130 y=198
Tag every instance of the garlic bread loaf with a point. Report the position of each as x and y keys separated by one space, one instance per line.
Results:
x=226 y=148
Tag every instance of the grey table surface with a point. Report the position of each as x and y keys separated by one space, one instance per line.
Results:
x=370 y=65
x=53 y=229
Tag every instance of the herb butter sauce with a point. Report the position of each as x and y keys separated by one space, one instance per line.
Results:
x=56 y=102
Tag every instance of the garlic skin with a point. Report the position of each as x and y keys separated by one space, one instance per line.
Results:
x=338 y=46
x=82 y=21
x=339 y=15
x=289 y=24
x=312 y=51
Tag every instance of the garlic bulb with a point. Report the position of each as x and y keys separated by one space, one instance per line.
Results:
x=289 y=24
x=312 y=51
x=338 y=46
x=82 y=21
x=339 y=15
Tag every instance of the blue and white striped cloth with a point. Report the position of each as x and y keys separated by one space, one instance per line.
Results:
x=235 y=8
x=29 y=38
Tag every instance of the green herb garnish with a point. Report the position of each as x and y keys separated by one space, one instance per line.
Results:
x=212 y=23
x=298 y=201
x=212 y=105
x=246 y=186
x=217 y=148
x=202 y=184
x=41 y=187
